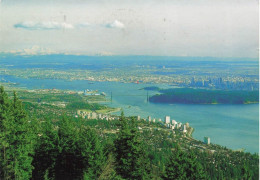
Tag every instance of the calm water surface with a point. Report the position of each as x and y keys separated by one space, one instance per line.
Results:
x=234 y=126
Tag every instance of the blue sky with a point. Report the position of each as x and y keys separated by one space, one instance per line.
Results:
x=223 y=28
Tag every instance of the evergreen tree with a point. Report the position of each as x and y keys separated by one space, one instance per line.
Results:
x=17 y=139
x=108 y=172
x=195 y=169
x=131 y=157
x=246 y=173
x=182 y=166
x=45 y=151
x=175 y=168
x=68 y=163
x=5 y=111
x=68 y=152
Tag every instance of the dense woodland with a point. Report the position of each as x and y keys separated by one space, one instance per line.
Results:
x=203 y=96
x=74 y=148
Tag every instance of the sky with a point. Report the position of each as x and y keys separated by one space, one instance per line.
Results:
x=216 y=28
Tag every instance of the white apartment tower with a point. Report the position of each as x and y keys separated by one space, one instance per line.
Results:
x=206 y=140
x=167 y=119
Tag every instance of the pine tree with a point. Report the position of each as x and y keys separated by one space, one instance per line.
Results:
x=45 y=151
x=131 y=158
x=195 y=169
x=246 y=173
x=5 y=112
x=68 y=152
x=108 y=172
x=68 y=160
x=91 y=152
x=17 y=139
x=182 y=166
x=176 y=166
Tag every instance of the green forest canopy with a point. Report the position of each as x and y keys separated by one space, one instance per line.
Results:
x=73 y=148
x=203 y=96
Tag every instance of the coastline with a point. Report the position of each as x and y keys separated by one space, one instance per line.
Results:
x=205 y=103
x=175 y=111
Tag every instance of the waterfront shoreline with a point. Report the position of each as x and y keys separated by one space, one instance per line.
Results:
x=214 y=121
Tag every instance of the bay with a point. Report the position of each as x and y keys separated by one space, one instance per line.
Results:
x=233 y=126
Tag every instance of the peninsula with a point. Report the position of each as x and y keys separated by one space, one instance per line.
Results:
x=204 y=96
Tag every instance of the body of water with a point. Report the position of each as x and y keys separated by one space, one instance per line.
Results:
x=233 y=126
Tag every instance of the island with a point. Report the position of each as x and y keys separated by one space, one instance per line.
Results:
x=204 y=96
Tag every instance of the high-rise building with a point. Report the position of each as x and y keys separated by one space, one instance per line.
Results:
x=173 y=122
x=149 y=119
x=193 y=81
x=179 y=125
x=206 y=140
x=220 y=80
x=184 y=127
x=94 y=115
x=167 y=119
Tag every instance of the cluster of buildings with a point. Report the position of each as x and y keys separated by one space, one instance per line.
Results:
x=234 y=83
x=169 y=123
x=88 y=92
x=94 y=115
x=172 y=124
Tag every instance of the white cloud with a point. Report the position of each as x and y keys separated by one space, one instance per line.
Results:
x=51 y=25
x=203 y=28
x=116 y=24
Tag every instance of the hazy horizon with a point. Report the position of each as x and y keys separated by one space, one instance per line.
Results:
x=150 y=28
x=192 y=58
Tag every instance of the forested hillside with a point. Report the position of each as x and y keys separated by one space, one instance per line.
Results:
x=203 y=96
x=65 y=147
